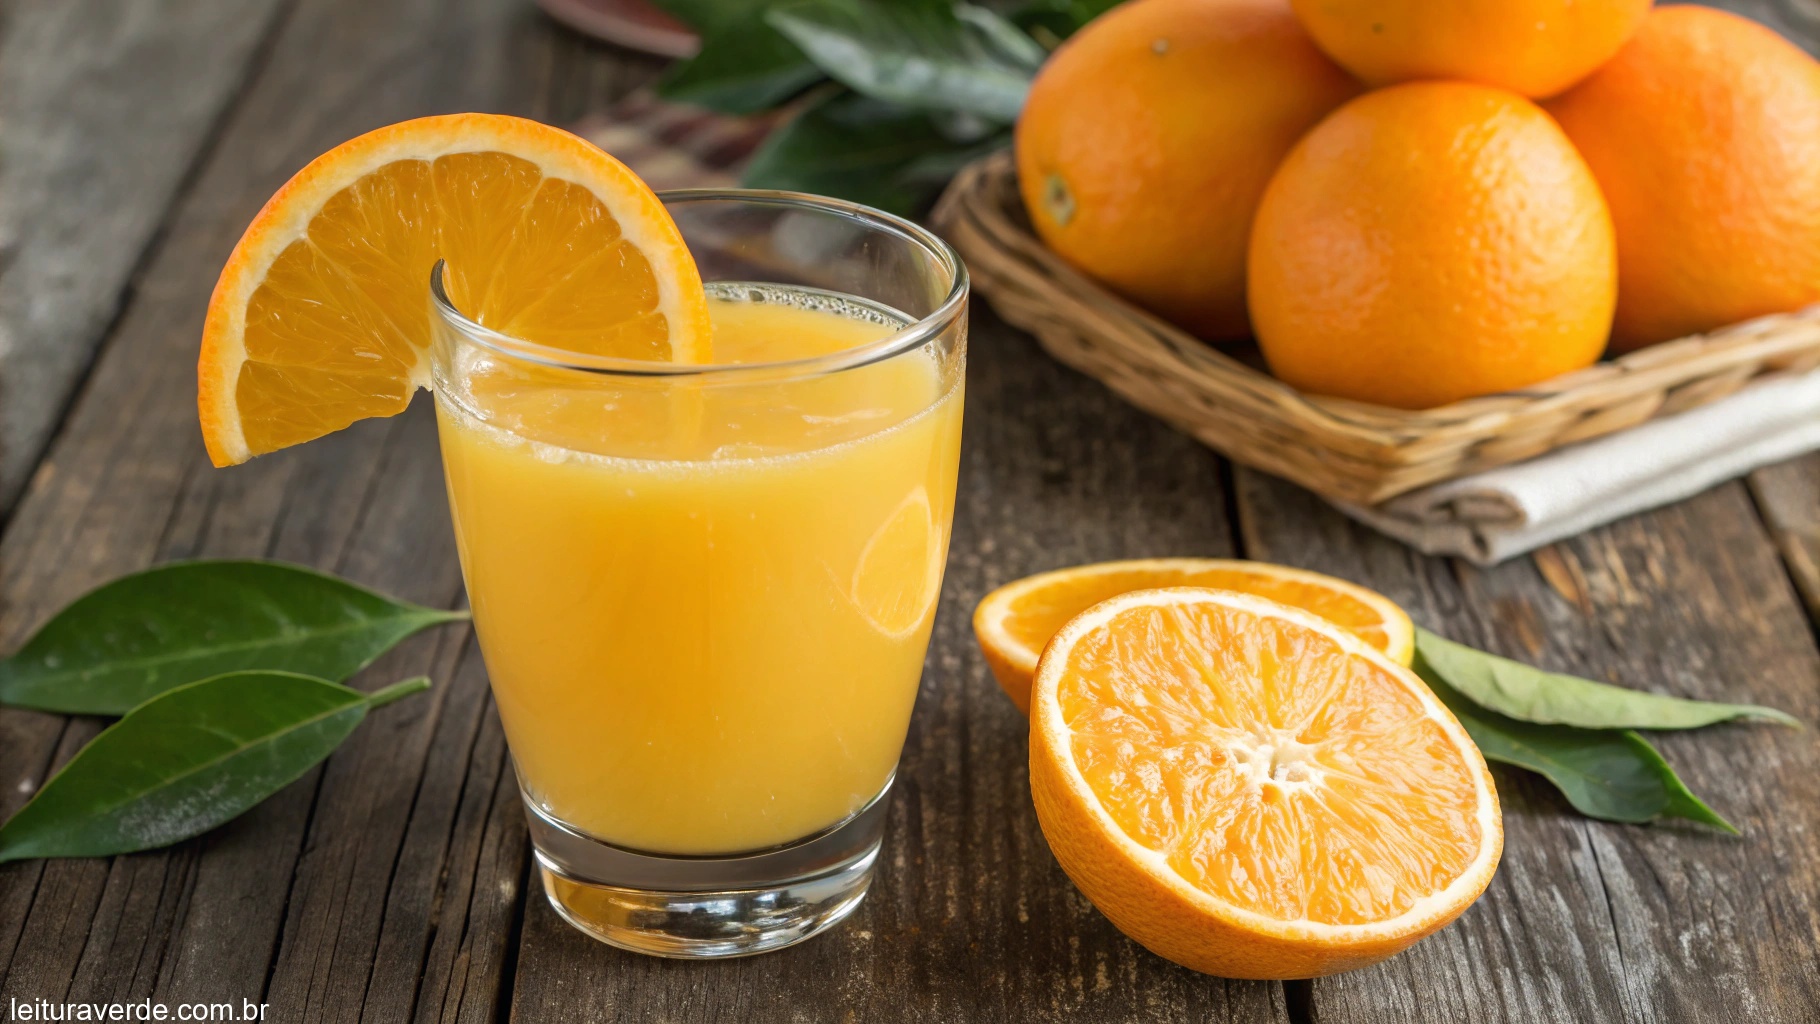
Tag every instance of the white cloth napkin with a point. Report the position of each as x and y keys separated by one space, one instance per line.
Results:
x=1503 y=512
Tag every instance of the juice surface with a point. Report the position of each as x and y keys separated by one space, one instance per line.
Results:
x=704 y=607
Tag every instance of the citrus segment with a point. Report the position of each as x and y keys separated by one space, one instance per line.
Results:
x=1014 y=622
x=1251 y=791
x=899 y=572
x=321 y=316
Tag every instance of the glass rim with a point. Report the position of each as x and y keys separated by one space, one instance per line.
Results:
x=917 y=334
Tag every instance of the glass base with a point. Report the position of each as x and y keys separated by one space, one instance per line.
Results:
x=699 y=908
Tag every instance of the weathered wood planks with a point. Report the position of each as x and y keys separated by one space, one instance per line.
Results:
x=970 y=919
x=104 y=105
x=269 y=907
x=1590 y=921
x=1788 y=497
x=392 y=884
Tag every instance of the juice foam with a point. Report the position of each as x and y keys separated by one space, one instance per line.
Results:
x=704 y=605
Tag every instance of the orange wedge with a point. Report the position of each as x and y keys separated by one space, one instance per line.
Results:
x=322 y=315
x=1252 y=791
x=899 y=575
x=1014 y=622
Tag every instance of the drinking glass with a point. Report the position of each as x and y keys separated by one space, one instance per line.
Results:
x=704 y=593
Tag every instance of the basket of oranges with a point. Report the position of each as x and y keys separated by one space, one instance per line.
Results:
x=1371 y=247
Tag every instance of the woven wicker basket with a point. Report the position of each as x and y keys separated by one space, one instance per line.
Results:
x=1347 y=451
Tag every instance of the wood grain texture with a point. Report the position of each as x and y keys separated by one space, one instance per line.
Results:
x=1587 y=920
x=1788 y=497
x=104 y=105
x=340 y=885
x=969 y=918
x=391 y=884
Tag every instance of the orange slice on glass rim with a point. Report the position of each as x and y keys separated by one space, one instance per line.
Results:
x=1252 y=791
x=322 y=315
x=1014 y=622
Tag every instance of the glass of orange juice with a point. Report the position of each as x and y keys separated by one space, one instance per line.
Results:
x=704 y=593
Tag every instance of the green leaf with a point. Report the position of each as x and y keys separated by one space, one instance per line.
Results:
x=1613 y=774
x=1532 y=695
x=1003 y=35
x=708 y=15
x=1051 y=21
x=860 y=149
x=745 y=66
x=934 y=168
x=702 y=15
x=129 y=640
x=917 y=55
x=187 y=761
x=1078 y=12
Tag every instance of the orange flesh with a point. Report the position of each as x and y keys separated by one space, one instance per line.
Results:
x=1269 y=768
x=342 y=316
x=1042 y=613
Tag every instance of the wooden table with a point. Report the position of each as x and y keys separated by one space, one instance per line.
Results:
x=391 y=885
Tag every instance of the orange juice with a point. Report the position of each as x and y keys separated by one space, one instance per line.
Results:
x=704 y=607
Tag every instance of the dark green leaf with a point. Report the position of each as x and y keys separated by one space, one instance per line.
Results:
x=1612 y=774
x=138 y=636
x=703 y=15
x=1002 y=35
x=187 y=761
x=919 y=56
x=1532 y=695
x=934 y=168
x=745 y=66
x=861 y=149
x=1051 y=21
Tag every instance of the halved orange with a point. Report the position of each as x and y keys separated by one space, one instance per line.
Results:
x=1014 y=622
x=1252 y=791
x=322 y=316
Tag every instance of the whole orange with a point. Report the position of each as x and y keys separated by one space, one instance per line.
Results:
x=1535 y=47
x=1704 y=133
x=1430 y=242
x=1148 y=137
